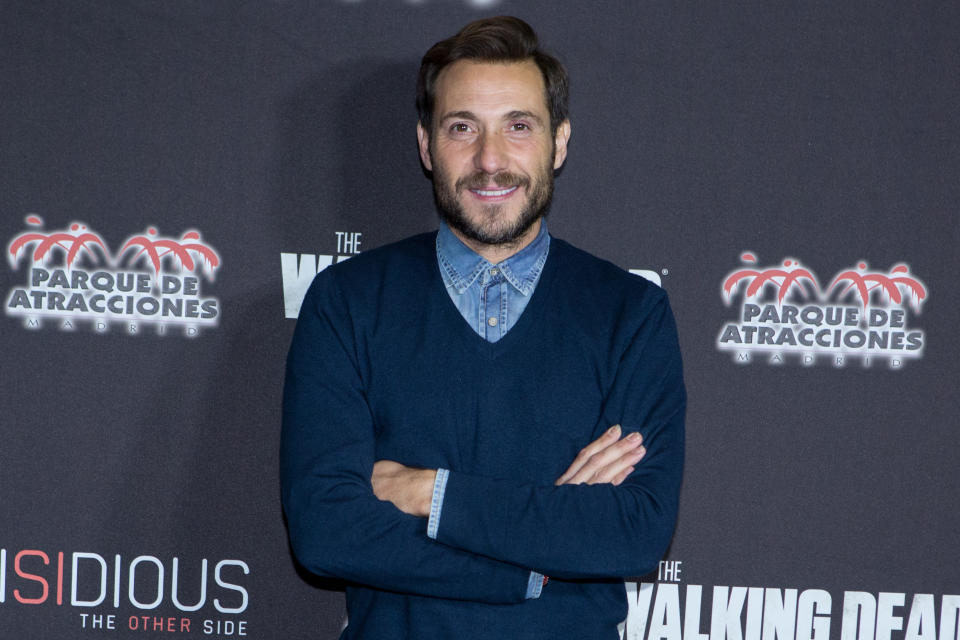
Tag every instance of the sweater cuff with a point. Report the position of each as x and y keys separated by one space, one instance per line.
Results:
x=534 y=585
x=436 y=504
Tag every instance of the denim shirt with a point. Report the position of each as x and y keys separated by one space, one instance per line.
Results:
x=490 y=297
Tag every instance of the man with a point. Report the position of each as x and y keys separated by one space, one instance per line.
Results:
x=483 y=479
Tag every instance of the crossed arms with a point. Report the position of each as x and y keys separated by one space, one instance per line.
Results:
x=608 y=459
x=352 y=517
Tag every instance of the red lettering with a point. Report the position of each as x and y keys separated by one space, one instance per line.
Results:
x=30 y=576
x=59 y=578
x=135 y=622
x=153 y=623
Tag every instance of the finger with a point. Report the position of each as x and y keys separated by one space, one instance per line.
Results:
x=607 y=464
x=621 y=448
x=622 y=476
x=616 y=471
x=611 y=470
x=609 y=437
x=596 y=454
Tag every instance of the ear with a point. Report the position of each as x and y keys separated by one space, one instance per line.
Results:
x=560 y=144
x=423 y=142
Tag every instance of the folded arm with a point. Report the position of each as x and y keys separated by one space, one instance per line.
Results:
x=607 y=516
x=608 y=459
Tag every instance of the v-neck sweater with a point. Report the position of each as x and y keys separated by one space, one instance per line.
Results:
x=383 y=366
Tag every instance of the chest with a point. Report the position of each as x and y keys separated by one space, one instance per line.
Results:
x=520 y=408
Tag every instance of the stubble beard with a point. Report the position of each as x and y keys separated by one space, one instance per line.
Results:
x=493 y=228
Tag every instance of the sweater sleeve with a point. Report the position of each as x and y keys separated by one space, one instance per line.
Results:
x=337 y=526
x=591 y=531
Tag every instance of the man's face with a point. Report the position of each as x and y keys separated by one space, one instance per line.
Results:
x=491 y=151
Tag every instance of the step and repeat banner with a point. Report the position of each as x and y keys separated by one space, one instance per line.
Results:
x=173 y=175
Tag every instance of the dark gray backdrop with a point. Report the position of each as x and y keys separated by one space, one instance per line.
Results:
x=826 y=132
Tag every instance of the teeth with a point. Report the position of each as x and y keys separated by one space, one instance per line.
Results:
x=499 y=192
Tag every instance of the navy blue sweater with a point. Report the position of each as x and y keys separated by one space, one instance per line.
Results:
x=382 y=366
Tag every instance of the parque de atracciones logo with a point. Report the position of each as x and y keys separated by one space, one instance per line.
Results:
x=74 y=280
x=786 y=315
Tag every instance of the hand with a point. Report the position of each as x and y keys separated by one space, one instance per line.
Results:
x=408 y=488
x=608 y=459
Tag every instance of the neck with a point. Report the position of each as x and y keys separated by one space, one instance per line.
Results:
x=495 y=253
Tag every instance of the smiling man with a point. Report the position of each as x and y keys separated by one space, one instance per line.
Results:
x=483 y=426
x=493 y=169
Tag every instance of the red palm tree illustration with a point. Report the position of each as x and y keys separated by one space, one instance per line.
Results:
x=782 y=279
x=72 y=242
x=866 y=281
x=157 y=250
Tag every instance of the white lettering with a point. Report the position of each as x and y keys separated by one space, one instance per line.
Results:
x=691 y=614
x=230 y=586
x=74 y=600
x=922 y=623
x=949 y=608
x=779 y=614
x=887 y=623
x=665 y=619
x=297 y=278
x=725 y=617
x=810 y=626
x=859 y=613
x=133 y=579
x=646 y=274
x=203 y=586
x=638 y=606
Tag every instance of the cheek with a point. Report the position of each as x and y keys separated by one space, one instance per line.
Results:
x=536 y=152
x=538 y=160
x=454 y=150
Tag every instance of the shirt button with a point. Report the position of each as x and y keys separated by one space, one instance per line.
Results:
x=494 y=271
x=492 y=321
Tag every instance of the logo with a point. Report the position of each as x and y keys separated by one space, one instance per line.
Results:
x=145 y=593
x=73 y=279
x=674 y=608
x=299 y=270
x=786 y=315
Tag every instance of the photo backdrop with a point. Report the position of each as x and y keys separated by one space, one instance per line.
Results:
x=172 y=175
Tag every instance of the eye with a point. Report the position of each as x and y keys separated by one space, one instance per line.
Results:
x=460 y=127
x=520 y=126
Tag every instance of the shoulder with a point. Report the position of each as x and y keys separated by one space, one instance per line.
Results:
x=611 y=307
x=403 y=258
x=399 y=267
x=410 y=253
x=601 y=280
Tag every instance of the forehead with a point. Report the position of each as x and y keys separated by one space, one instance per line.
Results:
x=490 y=88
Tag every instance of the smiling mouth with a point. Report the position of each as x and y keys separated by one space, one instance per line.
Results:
x=494 y=193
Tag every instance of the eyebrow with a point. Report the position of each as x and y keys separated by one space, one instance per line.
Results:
x=512 y=115
x=465 y=115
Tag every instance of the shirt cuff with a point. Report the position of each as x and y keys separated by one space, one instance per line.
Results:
x=534 y=585
x=436 y=504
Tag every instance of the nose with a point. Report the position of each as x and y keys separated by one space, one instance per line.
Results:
x=491 y=157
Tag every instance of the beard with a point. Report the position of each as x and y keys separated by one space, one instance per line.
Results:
x=493 y=225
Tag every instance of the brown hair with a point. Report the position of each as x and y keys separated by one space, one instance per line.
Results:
x=500 y=39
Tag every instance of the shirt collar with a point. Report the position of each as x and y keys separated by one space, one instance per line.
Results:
x=460 y=266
